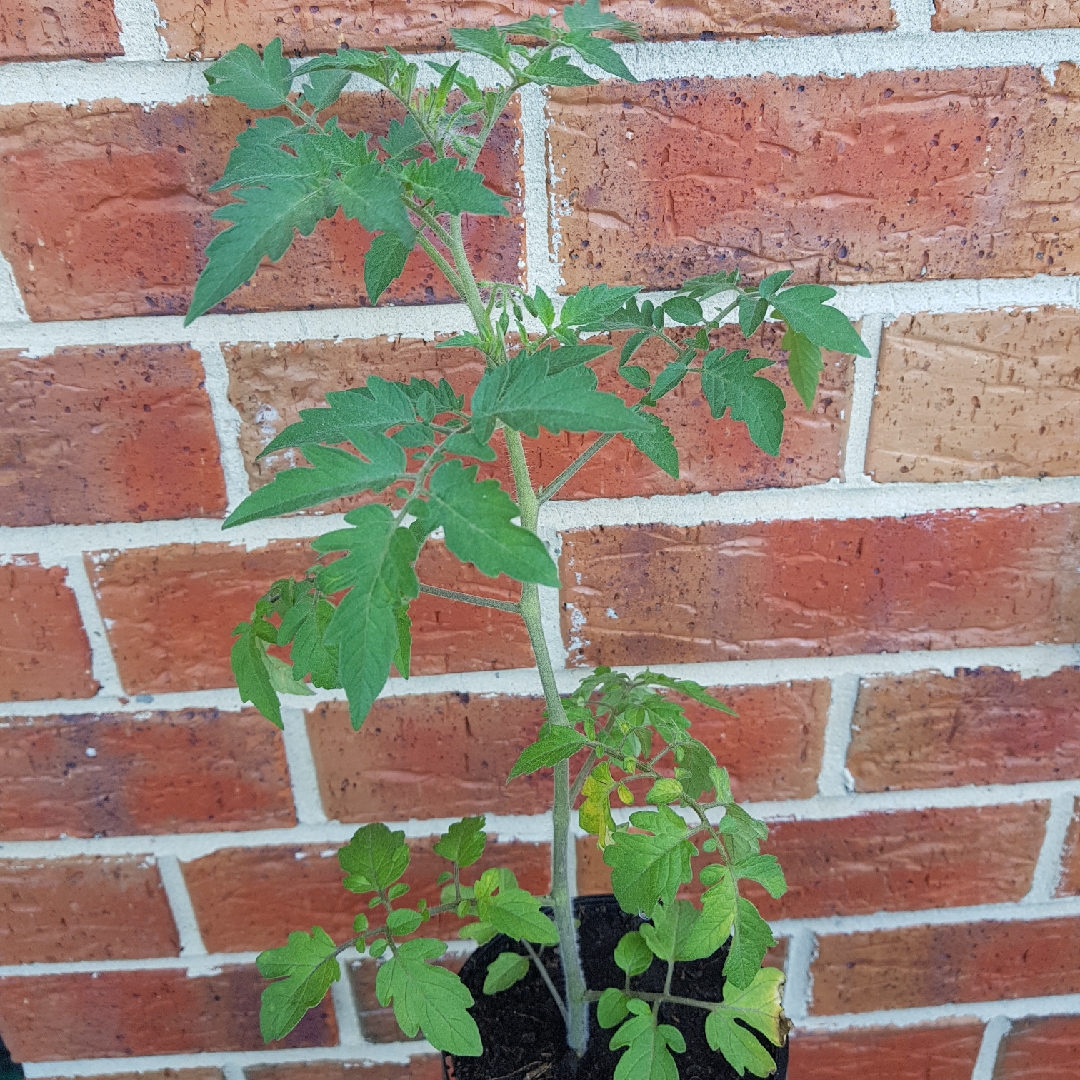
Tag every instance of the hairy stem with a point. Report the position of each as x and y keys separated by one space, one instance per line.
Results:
x=547 y=979
x=468 y=598
x=674 y=999
x=436 y=256
x=548 y=490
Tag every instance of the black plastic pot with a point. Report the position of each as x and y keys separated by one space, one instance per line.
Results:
x=523 y=1032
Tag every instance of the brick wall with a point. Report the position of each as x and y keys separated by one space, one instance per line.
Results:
x=892 y=605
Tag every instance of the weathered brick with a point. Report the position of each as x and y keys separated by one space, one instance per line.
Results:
x=229 y=890
x=888 y=176
x=1004 y=14
x=61 y=30
x=121 y=774
x=107 y=434
x=934 y=965
x=377 y=1022
x=211 y=28
x=981 y=726
x=942 y=1052
x=172 y=610
x=420 y=1067
x=134 y=1013
x=950 y=579
x=977 y=396
x=44 y=652
x=106 y=212
x=83 y=909
x=269 y=384
x=885 y=862
x=1069 y=885
x=1039 y=1048
x=433 y=755
x=205 y=1072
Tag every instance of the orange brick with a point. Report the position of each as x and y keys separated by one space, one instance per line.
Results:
x=107 y=434
x=83 y=909
x=977 y=396
x=61 y=30
x=420 y=1067
x=934 y=965
x=1004 y=14
x=120 y=774
x=44 y=652
x=135 y=1013
x=950 y=579
x=212 y=28
x=942 y=1052
x=1069 y=884
x=889 y=176
x=270 y=384
x=107 y=212
x=229 y=889
x=1040 y=1048
x=981 y=726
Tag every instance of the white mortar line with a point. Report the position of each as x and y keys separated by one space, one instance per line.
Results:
x=231 y=1071
x=12 y=308
x=834 y=778
x=1012 y=1009
x=993 y=1034
x=67 y=82
x=801 y=950
x=864 y=386
x=542 y=270
x=183 y=910
x=913 y=16
x=197 y=966
x=139 y=20
x=346 y=1012
x=1047 y=873
x=303 y=777
x=102 y=662
x=1031 y=661
x=227 y=424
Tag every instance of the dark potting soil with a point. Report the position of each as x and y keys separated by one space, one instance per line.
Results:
x=524 y=1034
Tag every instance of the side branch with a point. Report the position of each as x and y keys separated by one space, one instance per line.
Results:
x=548 y=490
x=468 y=598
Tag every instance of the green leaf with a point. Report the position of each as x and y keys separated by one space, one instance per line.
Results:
x=335 y=474
x=282 y=680
x=404 y=136
x=464 y=841
x=325 y=87
x=668 y=379
x=647 y=1045
x=374 y=858
x=403 y=921
x=695 y=768
x=306 y=967
x=637 y=377
x=611 y=1009
x=690 y=688
x=766 y=871
x=257 y=159
x=569 y=356
x=593 y=303
x=467 y=444
x=512 y=910
x=490 y=42
x=453 y=190
x=476 y=518
x=428 y=998
x=534 y=26
x=258 y=82
x=633 y=954
x=248 y=661
x=594 y=814
x=672 y=927
x=709 y=285
x=804 y=309
x=555 y=71
x=598 y=51
x=757 y=1006
x=403 y=653
x=751 y=939
x=303 y=626
x=664 y=791
x=373 y=197
x=557 y=742
x=378 y=573
x=651 y=865
x=383 y=264
x=683 y=309
x=506 y=969
x=526 y=397
x=588 y=16
x=752 y=312
x=713 y=926
x=804 y=364
x=729 y=381
x=768 y=285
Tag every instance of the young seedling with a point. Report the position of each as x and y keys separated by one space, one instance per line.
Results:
x=418 y=445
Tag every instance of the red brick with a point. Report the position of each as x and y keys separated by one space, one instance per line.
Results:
x=173 y=608
x=229 y=889
x=935 y=965
x=63 y=29
x=981 y=726
x=1004 y=14
x=152 y=772
x=107 y=434
x=203 y=1073
x=889 y=176
x=434 y=755
x=1069 y=885
x=950 y=579
x=942 y=1052
x=44 y=652
x=270 y=384
x=420 y=1067
x=135 y=1013
x=977 y=396
x=1040 y=1048
x=107 y=212
x=83 y=909
x=210 y=29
